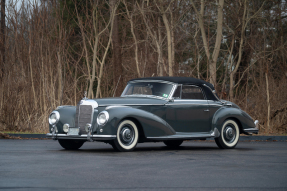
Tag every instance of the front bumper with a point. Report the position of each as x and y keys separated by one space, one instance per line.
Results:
x=253 y=130
x=81 y=137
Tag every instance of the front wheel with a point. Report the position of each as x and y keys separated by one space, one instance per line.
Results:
x=71 y=144
x=127 y=136
x=229 y=135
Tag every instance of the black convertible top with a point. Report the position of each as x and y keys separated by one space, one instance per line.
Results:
x=179 y=80
x=186 y=80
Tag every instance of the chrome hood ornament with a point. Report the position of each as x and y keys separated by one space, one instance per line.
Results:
x=85 y=95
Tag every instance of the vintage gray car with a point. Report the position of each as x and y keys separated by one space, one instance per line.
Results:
x=168 y=109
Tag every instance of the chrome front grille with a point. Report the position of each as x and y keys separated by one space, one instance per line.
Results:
x=84 y=115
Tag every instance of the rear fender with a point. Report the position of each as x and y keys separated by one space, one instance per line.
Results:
x=225 y=113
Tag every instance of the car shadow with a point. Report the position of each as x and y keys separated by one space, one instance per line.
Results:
x=140 y=149
x=186 y=148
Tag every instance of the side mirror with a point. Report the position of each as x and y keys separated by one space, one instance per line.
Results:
x=171 y=99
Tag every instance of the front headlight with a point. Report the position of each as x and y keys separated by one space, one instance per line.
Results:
x=54 y=117
x=102 y=118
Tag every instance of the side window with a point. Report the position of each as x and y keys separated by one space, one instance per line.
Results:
x=176 y=93
x=191 y=92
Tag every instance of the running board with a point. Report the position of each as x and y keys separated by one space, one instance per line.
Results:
x=187 y=136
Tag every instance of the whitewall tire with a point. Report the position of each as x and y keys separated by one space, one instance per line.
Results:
x=127 y=136
x=229 y=135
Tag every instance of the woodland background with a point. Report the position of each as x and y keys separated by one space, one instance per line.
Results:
x=52 y=51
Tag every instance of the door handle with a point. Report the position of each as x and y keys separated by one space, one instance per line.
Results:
x=206 y=110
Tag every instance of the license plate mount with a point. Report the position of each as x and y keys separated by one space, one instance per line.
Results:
x=73 y=131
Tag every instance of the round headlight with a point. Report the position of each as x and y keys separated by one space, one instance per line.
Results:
x=66 y=127
x=54 y=117
x=102 y=118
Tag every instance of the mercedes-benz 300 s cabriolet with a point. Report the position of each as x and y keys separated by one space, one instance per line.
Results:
x=167 y=109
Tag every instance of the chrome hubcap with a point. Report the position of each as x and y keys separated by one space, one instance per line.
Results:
x=229 y=133
x=127 y=135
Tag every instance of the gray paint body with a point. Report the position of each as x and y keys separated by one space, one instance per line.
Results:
x=158 y=118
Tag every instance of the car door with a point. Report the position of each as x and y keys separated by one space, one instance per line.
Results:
x=189 y=112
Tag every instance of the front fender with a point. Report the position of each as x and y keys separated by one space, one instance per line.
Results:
x=226 y=112
x=67 y=115
x=151 y=124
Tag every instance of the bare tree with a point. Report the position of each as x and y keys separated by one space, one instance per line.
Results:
x=3 y=26
x=212 y=61
x=130 y=18
x=55 y=51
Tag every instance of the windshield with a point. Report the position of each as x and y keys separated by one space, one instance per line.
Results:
x=148 y=89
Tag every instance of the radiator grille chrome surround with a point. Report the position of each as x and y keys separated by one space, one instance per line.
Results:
x=84 y=114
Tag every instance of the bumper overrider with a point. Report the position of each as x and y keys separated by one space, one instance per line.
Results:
x=253 y=130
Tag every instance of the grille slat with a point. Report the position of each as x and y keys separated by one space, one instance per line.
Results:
x=84 y=115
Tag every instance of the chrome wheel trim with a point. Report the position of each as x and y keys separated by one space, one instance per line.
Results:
x=127 y=134
x=230 y=133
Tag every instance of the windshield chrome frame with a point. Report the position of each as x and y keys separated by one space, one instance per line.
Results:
x=174 y=85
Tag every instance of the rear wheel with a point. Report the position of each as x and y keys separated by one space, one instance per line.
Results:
x=71 y=144
x=229 y=135
x=127 y=136
x=173 y=143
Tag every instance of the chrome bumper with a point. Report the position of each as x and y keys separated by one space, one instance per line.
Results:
x=253 y=130
x=80 y=137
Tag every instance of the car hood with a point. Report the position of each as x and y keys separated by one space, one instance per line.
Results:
x=129 y=101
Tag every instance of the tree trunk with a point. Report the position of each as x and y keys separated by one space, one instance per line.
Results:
x=212 y=65
x=159 y=49
x=232 y=73
x=268 y=103
x=202 y=29
x=32 y=78
x=60 y=79
x=3 y=38
x=169 y=41
x=102 y=62
x=117 y=56
x=130 y=17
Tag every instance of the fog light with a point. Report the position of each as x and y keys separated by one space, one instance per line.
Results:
x=88 y=127
x=66 y=127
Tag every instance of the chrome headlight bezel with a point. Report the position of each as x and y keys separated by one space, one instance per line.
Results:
x=57 y=114
x=99 y=121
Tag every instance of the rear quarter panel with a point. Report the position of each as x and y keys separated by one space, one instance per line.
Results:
x=224 y=113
